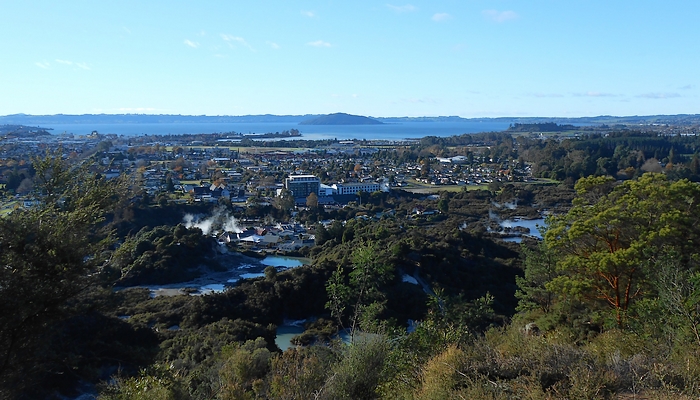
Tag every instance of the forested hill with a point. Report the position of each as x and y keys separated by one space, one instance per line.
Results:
x=21 y=130
x=341 y=119
x=147 y=119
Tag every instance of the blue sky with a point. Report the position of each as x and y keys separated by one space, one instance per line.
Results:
x=472 y=58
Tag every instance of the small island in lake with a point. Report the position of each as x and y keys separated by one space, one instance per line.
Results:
x=341 y=119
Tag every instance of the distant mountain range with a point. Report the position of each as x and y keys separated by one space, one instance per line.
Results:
x=330 y=119
x=26 y=119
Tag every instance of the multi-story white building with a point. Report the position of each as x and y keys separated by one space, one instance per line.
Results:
x=352 y=188
x=325 y=191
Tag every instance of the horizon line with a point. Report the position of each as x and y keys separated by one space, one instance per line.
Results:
x=369 y=116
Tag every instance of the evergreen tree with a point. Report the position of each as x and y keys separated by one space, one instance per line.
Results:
x=50 y=254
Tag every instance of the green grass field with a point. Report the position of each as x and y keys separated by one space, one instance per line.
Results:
x=418 y=187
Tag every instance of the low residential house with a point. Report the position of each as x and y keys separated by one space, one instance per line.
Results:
x=286 y=234
x=268 y=239
x=235 y=176
x=385 y=214
x=201 y=193
x=188 y=188
x=112 y=173
x=294 y=245
x=418 y=210
x=30 y=203
x=218 y=191
x=227 y=237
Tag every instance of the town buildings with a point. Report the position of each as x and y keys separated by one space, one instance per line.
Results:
x=355 y=187
x=302 y=185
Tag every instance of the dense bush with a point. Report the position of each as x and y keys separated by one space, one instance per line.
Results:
x=163 y=255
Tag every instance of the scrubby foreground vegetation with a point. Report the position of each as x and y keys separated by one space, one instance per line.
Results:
x=431 y=306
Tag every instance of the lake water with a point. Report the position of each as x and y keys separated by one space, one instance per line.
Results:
x=217 y=282
x=285 y=333
x=212 y=288
x=251 y=275
x=531 y=224
x=284 y=261
x=288 y=330
x=399 y=131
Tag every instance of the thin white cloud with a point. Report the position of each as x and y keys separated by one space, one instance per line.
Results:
x=402 y=9
x=126 y=30
x=73 y=64
x=440 y=17
x=43 y=65
x=230 y=39
x=190 y=43
x=687 y=87
x=500 y=16
x=659 y=95
x=273 y=45
x=319 y=43
x=595 y=94
x=309 y=14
